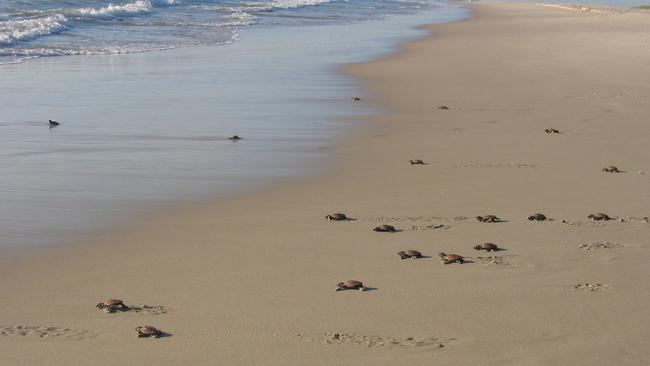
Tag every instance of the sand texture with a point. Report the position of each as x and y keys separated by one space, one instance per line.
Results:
x=251 y=280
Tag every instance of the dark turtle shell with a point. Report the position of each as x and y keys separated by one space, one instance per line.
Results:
x=385 y=229
x=489 y=247
x=599 y=217
x=337 y=217
x=537 y=217
x=451 y=258
x=551 y=130
x=443 y=107
x=611 y=169
x=350 y=285
x=147 y=331
x=409 y=253
x=416 y=162
x=488 y=218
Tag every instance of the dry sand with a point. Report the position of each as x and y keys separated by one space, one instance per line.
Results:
x=250 y=281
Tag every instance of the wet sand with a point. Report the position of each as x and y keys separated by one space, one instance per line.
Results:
x=250 y=280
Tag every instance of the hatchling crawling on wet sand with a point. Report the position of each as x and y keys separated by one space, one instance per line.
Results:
x=537 y=217
x=611 y=169
x=145 y=331
x=112 y=305
x=385 y=229
x=416 y=162
x=599 y=216
x=337 y=217
x=551 y=130
x=488 y=218
x=451 y=258
x=488 y=247
x=350 y=285
x=410 y=253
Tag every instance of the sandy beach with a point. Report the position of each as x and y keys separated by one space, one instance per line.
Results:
x=251 y=280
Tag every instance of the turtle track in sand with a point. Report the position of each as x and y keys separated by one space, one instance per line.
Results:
x=374 y=341
x=600 y=245
x=45 y=332
x=590 y=287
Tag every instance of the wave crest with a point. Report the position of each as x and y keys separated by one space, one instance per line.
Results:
x=13 y=31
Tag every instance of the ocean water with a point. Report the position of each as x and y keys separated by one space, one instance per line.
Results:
x=37 y=28
x=142 y=131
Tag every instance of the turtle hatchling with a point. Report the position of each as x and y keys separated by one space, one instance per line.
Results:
x=488 y=247
x=599 y=217
x=488 y=218
x=537 y=217
x=350 y=285
x=451 y=258
x=337 y=217
x=416 y=162
x=611 y=169
x=385 y=229
x=112 y=305
x=410 y=253
x=145 y=331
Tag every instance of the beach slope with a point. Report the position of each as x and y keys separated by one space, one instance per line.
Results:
x=251 y=280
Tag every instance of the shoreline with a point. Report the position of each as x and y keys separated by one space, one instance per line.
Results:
x=250 y=280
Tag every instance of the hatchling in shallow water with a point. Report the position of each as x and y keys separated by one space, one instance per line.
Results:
x=234 y=138
x=385 y=229
x=611 y=169
x=551 y=130
x=355 y=99
x=451 y=258
x=537 y=217
x=416 y=162
x=145 y=331
x=443 y=108
x=112 y=305
x=488 y=218
x=350 y=285
x=410 y=253
x=599 y=217
x=488 y=247
x=336 y=217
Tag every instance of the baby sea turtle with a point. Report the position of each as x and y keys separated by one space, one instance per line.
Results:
x=443 y=108
x=350 y=285
x=337 y=217
x=537 y=217
x=551 y=130
x=410 y=253
x=451 y=258
x=611 y=169
x=52 y=123
x=488 y=247
x=145 y=331
x=355 y=99
x=416 y=162
x=112 y=305
x=599 y=216
x=385 y=229
x=234 y=138
x=488 y=218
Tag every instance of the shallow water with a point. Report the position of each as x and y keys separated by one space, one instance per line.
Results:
x=37 y=28
x=141 y=131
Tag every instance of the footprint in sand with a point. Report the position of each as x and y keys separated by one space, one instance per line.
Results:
x=592 y=247
x=494 y=260
x=590 y=287
x=150 y=309
x=381 y=342
x=414 y=219
x=41 y=332
x=429 y=227
x=495 y=165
